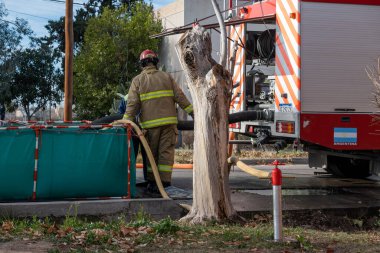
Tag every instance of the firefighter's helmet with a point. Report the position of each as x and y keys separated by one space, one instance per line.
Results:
x=148 y=56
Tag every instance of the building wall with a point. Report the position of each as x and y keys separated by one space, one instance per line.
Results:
x=172 y=15
x=179 y=13
x=198 y=9
x=176 y=14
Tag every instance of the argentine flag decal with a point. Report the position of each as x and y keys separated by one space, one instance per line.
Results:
x=345 y=136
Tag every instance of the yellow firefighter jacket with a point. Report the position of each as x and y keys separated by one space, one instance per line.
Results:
x=153 y=94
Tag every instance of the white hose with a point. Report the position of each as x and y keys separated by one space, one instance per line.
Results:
x=149 y=154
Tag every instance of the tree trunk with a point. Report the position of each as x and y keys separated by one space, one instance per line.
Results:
x=210 y=86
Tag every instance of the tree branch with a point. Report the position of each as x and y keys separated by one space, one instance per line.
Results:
x=373 y=74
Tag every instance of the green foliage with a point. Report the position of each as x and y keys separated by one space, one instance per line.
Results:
x=304 y=243
x=89 y=10
x=91 y=238
x=11 y=35
x=72 y=221
x=117 y=99
x=112 y=44
x=36 y=80
x=358 y=222
x=376 y=221
x=140 y=219
x=231 y=235
x=145 y=239
x=166 y=226
x=33 y=224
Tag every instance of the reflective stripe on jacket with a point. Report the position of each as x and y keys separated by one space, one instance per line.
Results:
x=154 y=93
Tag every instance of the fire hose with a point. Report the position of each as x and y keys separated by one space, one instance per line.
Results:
x=185 y=125
x=252 y=171
x=149 y=155
x=233 y=160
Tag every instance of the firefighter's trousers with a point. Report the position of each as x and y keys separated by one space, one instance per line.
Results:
x=162 y=141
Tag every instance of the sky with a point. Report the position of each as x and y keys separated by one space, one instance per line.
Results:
x=38 y=12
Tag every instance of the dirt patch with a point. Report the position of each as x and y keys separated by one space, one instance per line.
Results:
x=23 y=245
x=334 y=220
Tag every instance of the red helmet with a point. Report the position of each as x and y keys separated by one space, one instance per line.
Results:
x=148 y=54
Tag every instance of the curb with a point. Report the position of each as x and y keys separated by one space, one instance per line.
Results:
x=156 y=208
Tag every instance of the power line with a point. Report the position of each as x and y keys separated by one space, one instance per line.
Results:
x=31 y=15
x=166 y=17
x=27 y=14
x=61 y=1
x=172 y=14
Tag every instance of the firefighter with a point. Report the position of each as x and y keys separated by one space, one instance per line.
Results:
x=153 y=94
x=136 y=141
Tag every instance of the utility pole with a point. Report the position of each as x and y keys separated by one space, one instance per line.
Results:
x=69 y=41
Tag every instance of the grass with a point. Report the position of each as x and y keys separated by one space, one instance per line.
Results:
x=258 y=154
x=142 y=234
x=185 y=155
x=166 y=226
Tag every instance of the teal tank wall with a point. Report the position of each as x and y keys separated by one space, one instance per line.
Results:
x=72 y=163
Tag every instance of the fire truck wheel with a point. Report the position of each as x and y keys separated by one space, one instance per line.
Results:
x=347 y=167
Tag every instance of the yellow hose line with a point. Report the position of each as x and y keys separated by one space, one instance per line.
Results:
x=149 y=154
x=252 y=171
x=185 y=206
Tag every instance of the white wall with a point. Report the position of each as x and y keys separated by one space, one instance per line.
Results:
x=198 y=9
x=172 y=15
x=179 y=13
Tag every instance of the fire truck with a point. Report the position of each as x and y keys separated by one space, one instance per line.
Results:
x=298 y=70
x=302 y=64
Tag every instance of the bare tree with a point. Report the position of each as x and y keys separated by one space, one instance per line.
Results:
x=373 y=73
x=210 y=85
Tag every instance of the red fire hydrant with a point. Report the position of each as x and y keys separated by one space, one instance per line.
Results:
x=277 y=201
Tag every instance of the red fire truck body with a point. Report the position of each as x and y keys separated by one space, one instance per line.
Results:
x=301 y=63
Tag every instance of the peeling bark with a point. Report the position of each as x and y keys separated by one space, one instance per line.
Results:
x=210 y=86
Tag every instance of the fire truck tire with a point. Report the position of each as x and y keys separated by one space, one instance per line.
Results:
x=347 y=167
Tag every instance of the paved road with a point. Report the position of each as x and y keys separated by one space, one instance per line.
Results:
x=300 y=177
x=303 y=189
